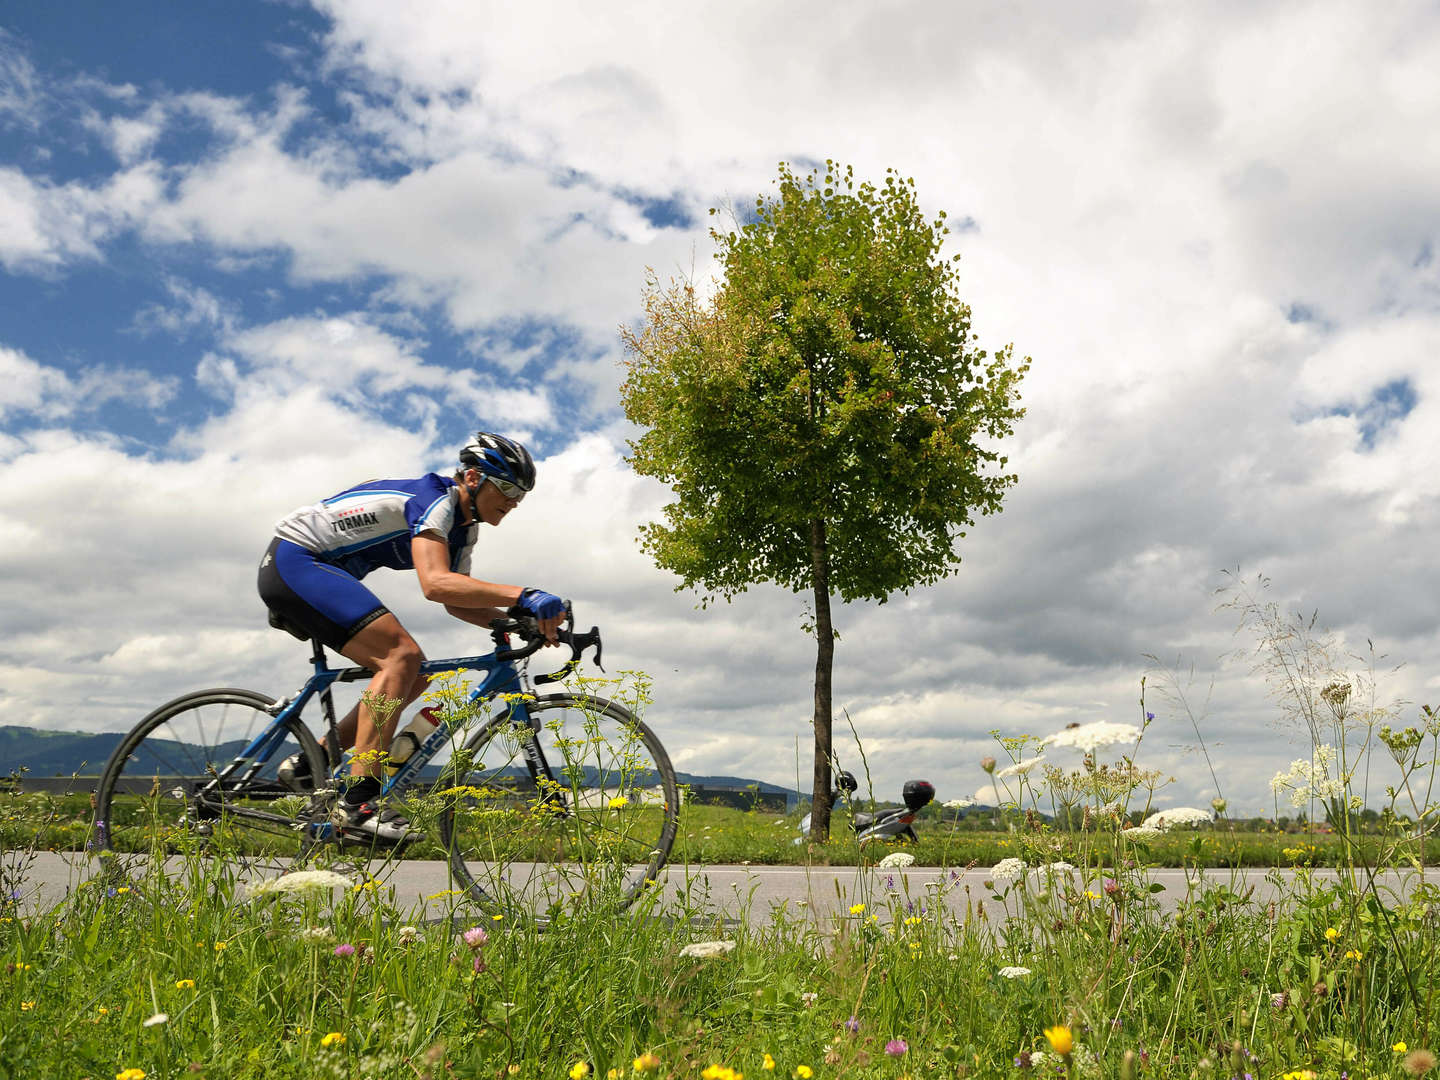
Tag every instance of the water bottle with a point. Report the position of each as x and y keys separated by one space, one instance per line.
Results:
x=425 y=723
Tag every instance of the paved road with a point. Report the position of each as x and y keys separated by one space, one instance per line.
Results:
x=727 y=893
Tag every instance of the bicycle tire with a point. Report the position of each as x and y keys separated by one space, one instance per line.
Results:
x=179 y=749
x=507 y=846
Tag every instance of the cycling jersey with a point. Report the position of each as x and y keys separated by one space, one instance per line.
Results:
x=309 y=577
x=371 y=525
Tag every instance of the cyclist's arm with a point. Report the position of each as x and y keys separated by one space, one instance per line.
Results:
x=460 y=592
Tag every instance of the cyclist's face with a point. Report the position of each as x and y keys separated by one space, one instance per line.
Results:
x=491 y=504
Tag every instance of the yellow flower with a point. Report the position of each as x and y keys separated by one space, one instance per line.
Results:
x=102 y=1010
x=614 y=1074
x=22 y=967
x=1399 y=1047
x=857 y=909
x=130 y=1074
x=1331 y=933
x=804 y=1072
x=1300 y=1074
x=1060 y=1039
x=1091 y=894
x=184 y=984
x=646 y=1062
x=333 y=1038
x=26 y=1006
x=122 y=890
x=579 y=1071
x=221 y=946
x=768 y=1064
x=619 y=802
x=497 y=918
x=1353 y=954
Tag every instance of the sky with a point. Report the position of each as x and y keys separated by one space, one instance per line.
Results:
x=251 y=254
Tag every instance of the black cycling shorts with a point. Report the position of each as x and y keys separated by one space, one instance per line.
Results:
x=315 y=596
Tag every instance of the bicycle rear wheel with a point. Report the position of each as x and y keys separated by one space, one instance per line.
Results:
x=181 y=780
x=597 y=830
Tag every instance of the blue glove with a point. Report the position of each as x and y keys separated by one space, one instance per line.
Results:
x=541 y=604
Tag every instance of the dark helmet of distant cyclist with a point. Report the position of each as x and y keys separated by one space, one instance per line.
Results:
x=503 y=460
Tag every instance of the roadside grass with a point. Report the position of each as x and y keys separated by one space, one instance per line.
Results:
x=180 y=973
x=716 y=834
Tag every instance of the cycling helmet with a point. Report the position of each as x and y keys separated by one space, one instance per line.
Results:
x=495 y=455
x=917 y=793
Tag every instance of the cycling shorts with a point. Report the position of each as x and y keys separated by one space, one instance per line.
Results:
x=315 y=596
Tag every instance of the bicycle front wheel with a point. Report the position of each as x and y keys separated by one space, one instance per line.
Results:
x=584 y=809
x=181 y=780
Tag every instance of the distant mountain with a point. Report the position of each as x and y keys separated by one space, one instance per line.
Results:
x=69 y=753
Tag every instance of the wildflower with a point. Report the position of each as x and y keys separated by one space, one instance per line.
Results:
x=1060 y=1039
x=1353 y=954
x=579 y=1071
x=1014 y=972
x=1300 y=1074
x=407 y=935
x=221 y=946
x=646 y=1062
x=345 y=949
x=1331 y=933
x=299 y=881
x=619 y=802
x=1091 y=737
x=987 y=763
x=1008 y=869
x=704 y=950
x=156 y=1020
x=26 y=1006
x=102 y=1011
x=365 y=886
x=317 y=935
x=768 y=1064
x=130 y=1074
x=1280 y=1000
x=1218 y=805
x=857 y=909
x=475 y=937
x=1165 y=820
x=896 y=1047
x=896 y=860
x=1141 y=832
x=184 y=984
x=1418 y=1062
x=444 y=893
x=333 y=1038
x=804 y=1072
x=1400 y=1047
x=1020 y=768
x=960 y=804
x=808 y=998
x=853 y=1025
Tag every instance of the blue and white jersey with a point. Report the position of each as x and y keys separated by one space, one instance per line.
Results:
x=371 y=524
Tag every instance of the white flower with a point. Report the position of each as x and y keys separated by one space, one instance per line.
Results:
x=317 y=935
x=1020 y=768
x=299 y=881
x=1165 y=820
x=961 y=804
x=158 y=1018
x=1091 y=737
x=1038 y=1058
x=1007 y=869
x=896 y=860
x=1059 y=867
x=1014 y=972
x=1141 y=832
x=809 y=997
x=407 y=935
x=707 y=949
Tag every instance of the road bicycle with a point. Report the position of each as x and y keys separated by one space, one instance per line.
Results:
x=535 y=797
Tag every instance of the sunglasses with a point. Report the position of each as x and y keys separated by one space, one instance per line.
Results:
x=509 y=490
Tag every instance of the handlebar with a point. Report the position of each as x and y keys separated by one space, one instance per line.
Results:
x=520 y=622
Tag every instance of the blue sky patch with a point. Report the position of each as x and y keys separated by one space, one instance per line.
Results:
x=1387 y=406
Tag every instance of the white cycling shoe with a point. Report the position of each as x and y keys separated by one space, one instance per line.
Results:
x=294 y=772
x=381 y=824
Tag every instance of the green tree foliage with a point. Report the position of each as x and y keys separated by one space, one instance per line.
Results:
x=823 y=417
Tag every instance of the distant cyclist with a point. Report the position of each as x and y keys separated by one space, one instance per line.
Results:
x=310 y=581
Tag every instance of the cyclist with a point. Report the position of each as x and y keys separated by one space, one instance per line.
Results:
x=310 y=581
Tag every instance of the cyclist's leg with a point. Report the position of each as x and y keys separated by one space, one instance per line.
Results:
x=386 y=648
x=346 y=725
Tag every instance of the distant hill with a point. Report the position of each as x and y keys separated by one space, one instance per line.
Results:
x=70 y=753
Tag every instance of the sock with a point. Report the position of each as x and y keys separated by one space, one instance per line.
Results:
x=362 y=790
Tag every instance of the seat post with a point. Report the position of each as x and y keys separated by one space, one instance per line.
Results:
x=317 y=653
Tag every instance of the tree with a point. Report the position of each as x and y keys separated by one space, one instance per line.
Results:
x=823 y=418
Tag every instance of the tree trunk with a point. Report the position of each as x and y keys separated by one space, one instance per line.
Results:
x=824 y=663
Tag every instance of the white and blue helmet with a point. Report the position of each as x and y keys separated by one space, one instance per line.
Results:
x=495 y=455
